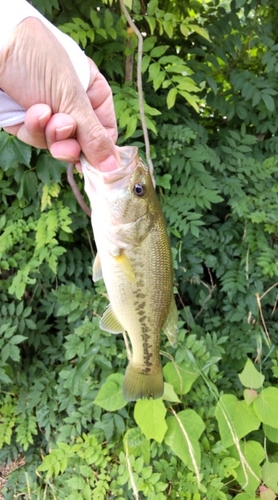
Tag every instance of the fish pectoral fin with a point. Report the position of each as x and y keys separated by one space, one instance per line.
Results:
x=97 y=271
x=109 y=322
x=126 y=267
x=170 y=326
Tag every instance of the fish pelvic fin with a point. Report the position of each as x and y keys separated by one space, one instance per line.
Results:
x=170 y=326
x=139 y=385
x=109 y=322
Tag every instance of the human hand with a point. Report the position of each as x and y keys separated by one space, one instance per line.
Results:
x=60 y=114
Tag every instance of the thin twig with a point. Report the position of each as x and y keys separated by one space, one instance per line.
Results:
x=90 y=242
x=139 y=83
x=76 y=191
x=259 y=298
x=268 y=290
x=262 y=316
x=210 y=289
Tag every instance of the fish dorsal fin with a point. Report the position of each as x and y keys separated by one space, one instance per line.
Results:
x=126 y=266
x=109 y=322
x=97 y=271
x=170 y=326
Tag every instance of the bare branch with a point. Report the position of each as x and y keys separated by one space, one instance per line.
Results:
x=139 y=83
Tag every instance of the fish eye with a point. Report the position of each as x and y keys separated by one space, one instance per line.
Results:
x=139 y=189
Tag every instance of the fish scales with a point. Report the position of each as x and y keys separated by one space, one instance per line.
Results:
x=134 y=259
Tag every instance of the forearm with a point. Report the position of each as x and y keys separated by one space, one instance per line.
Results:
x=31 y=76
x=41 y=65
x=15 y=19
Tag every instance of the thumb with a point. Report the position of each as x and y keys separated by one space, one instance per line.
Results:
x=96 y=143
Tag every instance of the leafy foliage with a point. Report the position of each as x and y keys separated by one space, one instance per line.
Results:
x=210 y=74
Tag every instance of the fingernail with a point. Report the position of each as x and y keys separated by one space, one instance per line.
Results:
x=67 y=159
x=64 y=132
x=43 y=119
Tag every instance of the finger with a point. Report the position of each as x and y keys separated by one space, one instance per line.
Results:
x=61 y=126
x=59 y=134
x=32 y=131
x=66 y=150
x=101 y=99
x=97 y=128
x=12 y=129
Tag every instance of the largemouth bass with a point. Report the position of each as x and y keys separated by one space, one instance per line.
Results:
x=134 y=259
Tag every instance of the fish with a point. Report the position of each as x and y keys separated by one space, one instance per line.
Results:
x=134 y=259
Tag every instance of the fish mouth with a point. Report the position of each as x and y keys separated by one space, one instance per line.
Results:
x=129 y=158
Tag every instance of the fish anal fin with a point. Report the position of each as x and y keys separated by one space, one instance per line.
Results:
x=170 y=326
x=97 y=271
x=126 y=266
x=110 y=323
x=139 y=385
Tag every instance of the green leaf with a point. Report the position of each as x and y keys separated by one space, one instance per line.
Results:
x=267 y=494
x=158 y=80
x=164 y=181
x=250 y=377
x=191 y=99
x=149 y=43
x=269 y=102
x=128 y=3
x=235 y=419
x=244 y=496
x=184 y=431
x=17 y=339
x=185 y=30
x=181 y=376
x=152 y=7
x=212 y=83
x=154 y=71
x=149 y=414
x=28 y=186
x=266 y=406
x=108 y=18
x=171 y=97
x=201 y=31
x=76 y=482
x=131 y=126
x=169 y=393
x=158 y=51
x=49 y=169
x=270 y=475
x=240 y=3
x=151 y=22
x=4 y=377
x=13 y=151
x=145 y=62
x=110 y=395
x=250 y=454
x=95 y=18
x=137 y=444
x=271 y=433
x=168 y=27
x=249 y=395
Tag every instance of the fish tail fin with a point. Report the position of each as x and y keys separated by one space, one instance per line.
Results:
x=138 y=385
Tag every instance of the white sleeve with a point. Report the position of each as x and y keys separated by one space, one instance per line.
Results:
x=12 y=12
